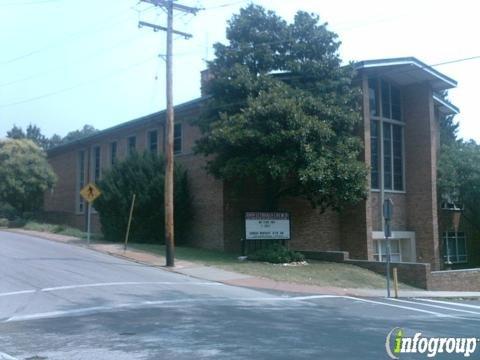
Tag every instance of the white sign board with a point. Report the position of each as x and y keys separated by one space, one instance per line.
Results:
x=267 y=226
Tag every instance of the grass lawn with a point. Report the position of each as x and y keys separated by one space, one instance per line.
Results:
x=59 y=229
x=315 y=273
x=319 y=273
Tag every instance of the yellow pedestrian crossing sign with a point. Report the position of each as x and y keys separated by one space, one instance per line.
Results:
x=90 y=192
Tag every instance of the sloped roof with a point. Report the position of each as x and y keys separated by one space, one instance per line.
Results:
x=155 y=117
x=406 y=71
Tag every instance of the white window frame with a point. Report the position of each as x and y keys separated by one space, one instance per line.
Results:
x=378 y=254
x=378 y=236
x=129 y=152
x=110 y=153
x=181 y=139
x=381 y=120
x=80 y=202
x=93 y=177
x=147 y=140
x=454 y=257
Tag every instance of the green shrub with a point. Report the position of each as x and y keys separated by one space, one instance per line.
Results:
x=7 y=211
x=4 y=222
x=17 y=222
x=58 y=229
x=143 y=175
x=276 y=254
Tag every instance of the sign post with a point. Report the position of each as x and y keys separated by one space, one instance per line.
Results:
x=129 y=222
x=89 y=216
x=387 y=216
x=89 y=192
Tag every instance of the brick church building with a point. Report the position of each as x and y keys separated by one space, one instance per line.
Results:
x=401 y=111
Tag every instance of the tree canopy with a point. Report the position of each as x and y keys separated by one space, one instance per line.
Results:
x=79 y=134
x=458 y=180
x=24 y=174
x=143 y=175
x=283 y=111
x=34 y=133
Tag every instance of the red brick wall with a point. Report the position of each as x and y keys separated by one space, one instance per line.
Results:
x=399 y=221
x=455 y=280
x=218 y=210
x=62 y=197
x=420 y=148
x=355 y=222
x=60 y=205
x=310 y=229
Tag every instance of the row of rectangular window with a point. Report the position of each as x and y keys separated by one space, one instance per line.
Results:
x=454 y=248
x=385 y=109
x=393 y=163
x=96 y=163
x=81 y=179
x=152 y=138
x=385 y=100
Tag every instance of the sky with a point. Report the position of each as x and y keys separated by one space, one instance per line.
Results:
x=66 y=63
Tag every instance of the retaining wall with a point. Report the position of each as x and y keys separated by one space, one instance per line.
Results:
x=415 y=274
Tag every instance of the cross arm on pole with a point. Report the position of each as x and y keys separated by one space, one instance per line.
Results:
x=162 y=28
x=180 y=7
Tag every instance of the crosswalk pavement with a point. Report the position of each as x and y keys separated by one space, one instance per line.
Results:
x=462 y=309
x=378 y=307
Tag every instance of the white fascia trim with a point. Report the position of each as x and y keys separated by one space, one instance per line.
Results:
x=449 y=106
x=427 y=68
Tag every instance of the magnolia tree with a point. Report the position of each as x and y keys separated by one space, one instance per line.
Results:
x=283 y=111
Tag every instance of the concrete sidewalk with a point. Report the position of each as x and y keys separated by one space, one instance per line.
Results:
x=212 y=273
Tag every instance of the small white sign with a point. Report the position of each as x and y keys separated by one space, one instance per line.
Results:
x=267 y=226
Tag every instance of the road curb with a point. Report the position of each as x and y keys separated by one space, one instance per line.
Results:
x=247 y=281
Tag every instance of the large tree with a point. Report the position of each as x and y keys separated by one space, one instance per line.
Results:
x=459 y=171
x=283 y=111
x=24 y=174
x=34 y=133
x=16 y=133
x=79 y=134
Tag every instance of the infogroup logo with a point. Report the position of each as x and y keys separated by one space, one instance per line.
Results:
x=397 y=343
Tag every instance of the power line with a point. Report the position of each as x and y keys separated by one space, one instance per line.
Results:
x=457 y=60
x=53 y=44
x=92 y=55
x=30 y=2
x=226 y=5
x=101 y=78
x=137 y=64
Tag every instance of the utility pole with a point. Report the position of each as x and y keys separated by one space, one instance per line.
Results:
x=169 y=5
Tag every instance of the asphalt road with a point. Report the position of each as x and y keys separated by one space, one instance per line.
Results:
x=59 y=301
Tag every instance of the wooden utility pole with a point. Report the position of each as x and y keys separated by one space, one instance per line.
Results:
x=169 y=5
x=169 y=225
